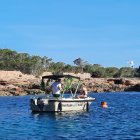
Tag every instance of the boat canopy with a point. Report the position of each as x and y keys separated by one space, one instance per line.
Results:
x=68 y=85
x=55 y=77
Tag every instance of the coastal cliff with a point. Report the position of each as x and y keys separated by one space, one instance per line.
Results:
x=15 y=83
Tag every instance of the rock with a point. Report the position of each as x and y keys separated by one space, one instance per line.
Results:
x=116 y=81
x=2 y=82
x=134 y=88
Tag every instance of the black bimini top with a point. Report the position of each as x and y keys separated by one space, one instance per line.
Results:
x=55 y=77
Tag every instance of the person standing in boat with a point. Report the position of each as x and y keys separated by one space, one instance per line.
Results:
x=56 y=88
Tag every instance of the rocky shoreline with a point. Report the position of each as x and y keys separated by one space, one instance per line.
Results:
x=13 y=83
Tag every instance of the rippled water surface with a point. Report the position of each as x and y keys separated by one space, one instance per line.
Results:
x=121 y=120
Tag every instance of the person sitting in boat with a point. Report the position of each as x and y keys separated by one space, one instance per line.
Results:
x=84 y=92
x=56 y=88
x=48 y=86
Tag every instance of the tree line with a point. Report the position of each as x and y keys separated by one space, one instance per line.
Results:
x=36 y=65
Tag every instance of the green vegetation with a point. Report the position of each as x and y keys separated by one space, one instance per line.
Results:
x=12 y=60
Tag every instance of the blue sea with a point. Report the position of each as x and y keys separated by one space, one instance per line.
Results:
x=120 y=121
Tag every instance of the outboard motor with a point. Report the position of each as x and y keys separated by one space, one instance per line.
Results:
x=32 y=102
x=40 y=104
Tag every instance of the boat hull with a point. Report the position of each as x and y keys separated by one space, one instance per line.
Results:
x=59 y=105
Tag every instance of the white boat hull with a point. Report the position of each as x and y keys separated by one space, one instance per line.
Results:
x=59 y=105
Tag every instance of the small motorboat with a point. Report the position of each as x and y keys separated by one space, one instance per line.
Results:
x=48 y=103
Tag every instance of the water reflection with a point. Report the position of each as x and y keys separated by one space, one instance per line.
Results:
x=57 y=115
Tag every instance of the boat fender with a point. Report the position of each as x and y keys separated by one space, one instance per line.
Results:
x=35 y=101
x=60 y=106
x=87 y=106
x=40 y=103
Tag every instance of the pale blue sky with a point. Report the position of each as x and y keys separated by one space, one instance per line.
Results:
x=105 y=32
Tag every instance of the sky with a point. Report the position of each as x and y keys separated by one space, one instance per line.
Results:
x=105 y=32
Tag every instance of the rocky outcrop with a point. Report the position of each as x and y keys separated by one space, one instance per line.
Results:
x=15 y=83
x=134 y=88
x=111 y=84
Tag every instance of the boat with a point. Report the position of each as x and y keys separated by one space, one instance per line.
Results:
x=48 y=103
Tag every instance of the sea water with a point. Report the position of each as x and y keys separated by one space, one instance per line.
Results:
x=120 y=121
